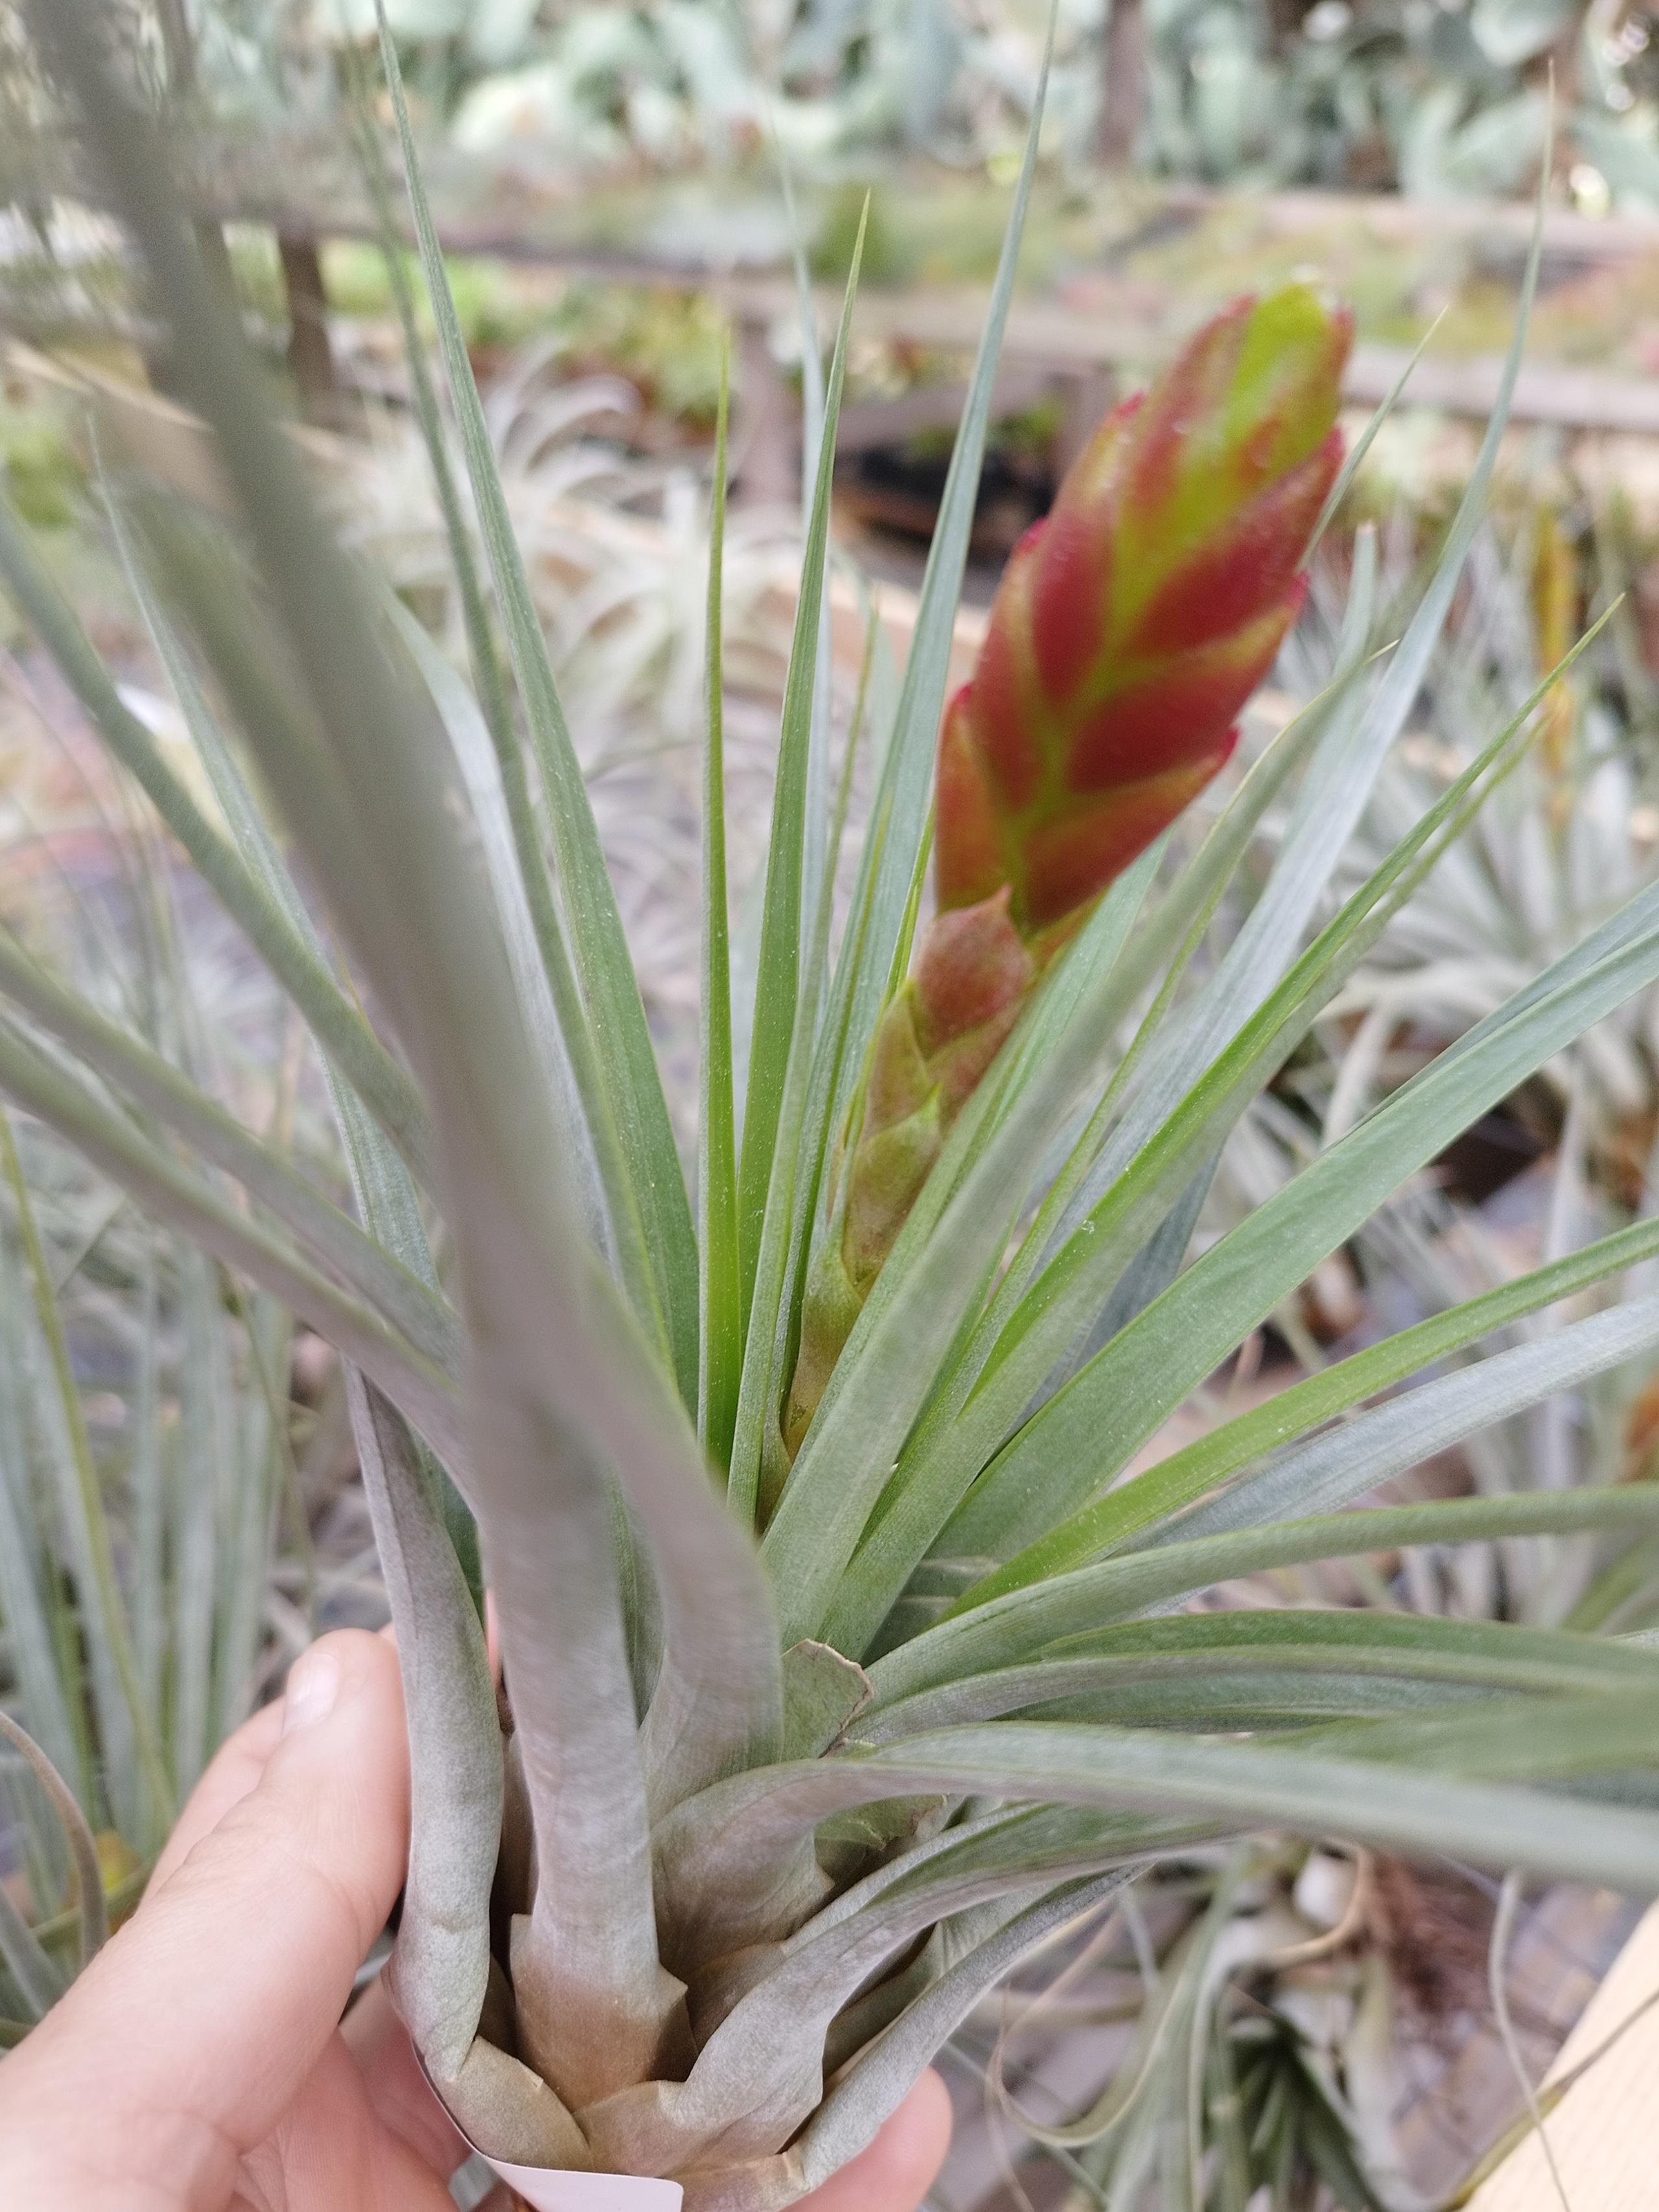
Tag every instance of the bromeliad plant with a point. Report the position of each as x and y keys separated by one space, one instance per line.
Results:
x=146 y=1468
x=777 y=1804
x=137 y=1525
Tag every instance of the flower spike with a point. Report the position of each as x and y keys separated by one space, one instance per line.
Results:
x=1129 y=629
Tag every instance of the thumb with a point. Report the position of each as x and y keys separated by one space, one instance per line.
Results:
x=895 y=2172
x=183 y=2044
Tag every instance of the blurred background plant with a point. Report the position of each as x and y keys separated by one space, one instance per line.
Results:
x=1360 y=95
x=160 y=1471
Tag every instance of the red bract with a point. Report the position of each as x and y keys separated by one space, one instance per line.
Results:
x=1133 y=622
x=1129 y=629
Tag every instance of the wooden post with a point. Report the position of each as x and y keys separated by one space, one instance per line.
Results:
x=1085 y=396
x=767 y=445
x=181 y=50
x=310 y=356
x=1123 y=95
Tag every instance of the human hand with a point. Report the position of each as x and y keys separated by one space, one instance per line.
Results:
x=200 y=2063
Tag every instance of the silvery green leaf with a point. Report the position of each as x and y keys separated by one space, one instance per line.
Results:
x=1276 y=1247
x=872 y=2087
x=335 y=1022
x=185 y=1200
x=1398 y=1782
x=997 y=1631
x=442 y=1957
x=1210 y=1651
x=131 y=1067
x=1333 y=1469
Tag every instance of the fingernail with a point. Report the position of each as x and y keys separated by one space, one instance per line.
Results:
x=313 y=1684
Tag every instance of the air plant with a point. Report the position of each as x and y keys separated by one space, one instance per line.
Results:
x=146 y=1458
x=775 y=1808
x=1565 y=843
x=1354 y=93
x=1254 y=2051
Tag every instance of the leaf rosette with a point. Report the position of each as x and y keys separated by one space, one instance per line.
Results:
x=800 y=1751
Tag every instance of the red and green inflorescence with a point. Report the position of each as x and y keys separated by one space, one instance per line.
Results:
x=1129 y=629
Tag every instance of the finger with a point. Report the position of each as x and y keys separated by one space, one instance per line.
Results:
x=331 y=2151
x=900 y=2166
x=396 y=2088
x=235 y=1768
x=199 y=2021
x=231 y=1773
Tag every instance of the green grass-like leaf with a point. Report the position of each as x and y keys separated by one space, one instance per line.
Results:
x=625 y=1062
x=721 y=1343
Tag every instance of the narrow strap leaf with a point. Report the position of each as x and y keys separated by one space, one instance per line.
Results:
x=101 y=1602
x=1202 y=1465
x=1413 y=1784
x=778 y=977
x=184 y=1202
x=622 y=1041
x=336 y=1023
x=154 y=1084
x=1025 y=1621
x=1203 y=1650
x=455 y=1740
x=487 y=671
x=720 y=1340
x=1329 y=1471
x=781 y=1050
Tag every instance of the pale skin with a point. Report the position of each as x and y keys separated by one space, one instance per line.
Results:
x=200 y=2064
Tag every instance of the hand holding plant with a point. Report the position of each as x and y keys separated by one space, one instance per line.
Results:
x=201 y=2062
x=784 y=1785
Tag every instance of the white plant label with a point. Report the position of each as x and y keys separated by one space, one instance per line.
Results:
x=549 y=2190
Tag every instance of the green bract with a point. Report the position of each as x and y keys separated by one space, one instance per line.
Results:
x=773 y=1813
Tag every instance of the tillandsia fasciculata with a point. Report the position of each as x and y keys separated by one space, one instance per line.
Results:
x=766 y=1810
x=1131 y=625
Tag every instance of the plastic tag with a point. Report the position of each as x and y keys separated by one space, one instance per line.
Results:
x=549 y=2190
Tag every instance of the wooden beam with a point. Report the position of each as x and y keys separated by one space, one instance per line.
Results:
x=1389 y=217
x=1052 y=336
x=871 y=423
x=1123 y=83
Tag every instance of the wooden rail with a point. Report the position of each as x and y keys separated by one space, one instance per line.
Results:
x=1077 y=347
